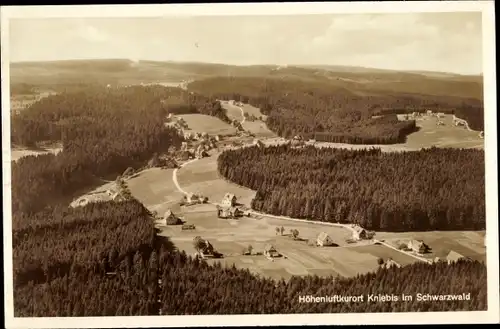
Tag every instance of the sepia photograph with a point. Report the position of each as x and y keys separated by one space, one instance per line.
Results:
x=176 y=165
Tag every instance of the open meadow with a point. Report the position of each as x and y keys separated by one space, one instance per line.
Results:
x=201 y=177
x=257 y=127
x=18 y=152
x=467 y=243
x=448 y=135
x=209 y=124
x=231 y=236
x=155 y=189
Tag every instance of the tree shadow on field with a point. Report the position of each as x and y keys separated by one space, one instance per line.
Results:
x=163 y=242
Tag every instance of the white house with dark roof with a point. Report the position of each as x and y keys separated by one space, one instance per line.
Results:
x=229 y=200
x=324 y=240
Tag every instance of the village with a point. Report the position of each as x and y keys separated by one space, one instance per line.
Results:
x=216 y=225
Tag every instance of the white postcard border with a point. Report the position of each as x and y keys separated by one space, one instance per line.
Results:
x=489 y=73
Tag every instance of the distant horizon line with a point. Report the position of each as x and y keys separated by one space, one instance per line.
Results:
x=246 y=65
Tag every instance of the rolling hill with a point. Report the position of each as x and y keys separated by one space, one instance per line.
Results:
x=64 y=74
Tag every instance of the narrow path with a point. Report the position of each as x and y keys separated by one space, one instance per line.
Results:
x=242 y=114
x=256 y=213
x=404 y=252
x=174 y=176
x=177 y=185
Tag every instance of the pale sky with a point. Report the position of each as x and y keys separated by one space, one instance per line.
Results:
x=446 y=42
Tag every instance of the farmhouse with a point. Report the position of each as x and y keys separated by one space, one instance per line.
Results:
x=270 y=251
x=171 y=219
x=359 y=233
x=418 y=246
x=454 y=256
x=231 y=212
x=391 y=263
x=324 y=240
x=229 y=200
x=195 y=198
x=429 y=112
x=200 y=152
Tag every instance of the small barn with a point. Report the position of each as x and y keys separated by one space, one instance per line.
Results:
x=359 y=233
x=391 y=263
x=324 y=240
x=270 y=251
x=171 y=219
x=418 y=246
x=195 y=198
x=208 y=249
x=229 y=200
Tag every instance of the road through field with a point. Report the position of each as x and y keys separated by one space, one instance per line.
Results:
x=174 y=176
x=256 y=213
x=351 y=228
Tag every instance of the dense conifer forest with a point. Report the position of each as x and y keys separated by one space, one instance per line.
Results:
x=103 y=132
x=103 y=280
x=432 y=189
x=330 y=112
x=106 y=259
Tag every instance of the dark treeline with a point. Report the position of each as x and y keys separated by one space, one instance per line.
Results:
x=134 y=290
x=432 y=189
x=106 y=258
x=313 y=107
x=103 y=131
x=85 y=239
x=51 y=118
x=99 y=250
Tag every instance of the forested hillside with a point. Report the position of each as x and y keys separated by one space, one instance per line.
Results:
x=336 y=112
x=103 y=131
x=432 y=189
x=84 y=272
x=106 y=258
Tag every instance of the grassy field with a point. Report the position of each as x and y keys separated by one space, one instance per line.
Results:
x=259 y=128
x=231 y=236
x=205 y=123
x=202 y=177
x=467 y=243
x=19 y=152
x=430 y=134
x=155 y=189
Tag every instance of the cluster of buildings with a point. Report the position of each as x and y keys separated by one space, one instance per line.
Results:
x=102 y=196
x=421 y=115
x=169 y=219
x=418 y=246
x=200 y=149
x=193 y=198
x=228 y=207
